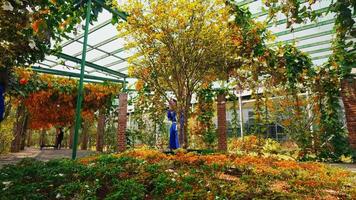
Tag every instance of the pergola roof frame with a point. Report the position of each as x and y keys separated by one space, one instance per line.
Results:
x=123 y=16
x=72 y=74
x=96 y=67
x=92 y=65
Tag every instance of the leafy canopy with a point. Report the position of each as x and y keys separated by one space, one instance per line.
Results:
x=179 y=44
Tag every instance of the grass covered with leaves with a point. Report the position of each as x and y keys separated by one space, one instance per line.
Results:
x=149 y=174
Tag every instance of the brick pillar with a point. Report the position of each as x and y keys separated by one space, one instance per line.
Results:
x=222 y=134
x=348 y=94
x=121 y=138
x=100 y=130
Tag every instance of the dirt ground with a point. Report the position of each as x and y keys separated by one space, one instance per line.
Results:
x=44 y=154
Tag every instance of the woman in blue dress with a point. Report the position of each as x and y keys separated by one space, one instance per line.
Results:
x=3 y=81
x=173 y=132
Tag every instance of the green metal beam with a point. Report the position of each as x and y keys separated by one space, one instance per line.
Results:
x=306 y=37
x=90 y=64
x=80 y=86
x=46 y=65
x=80 y=36
x=306 y=27
x=242 y=3
x=56 y=64
x=107 y=55
x=309 y=26
x=102 y=43
x=114 y=63
x=120 y=14
x=262 y=13
x=92 y=81
x=259 y=14
x=314 y=44
x=73 y=74
x=123 y=69
x=283 y=21
x=51 y=61
x=319 y=50
x=321 y=57
x=102 y=51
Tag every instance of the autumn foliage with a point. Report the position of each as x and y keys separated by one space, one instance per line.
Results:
x=150 y=174
x=51 y=101
x=265 y=176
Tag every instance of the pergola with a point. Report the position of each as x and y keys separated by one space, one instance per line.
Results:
x=97 y=54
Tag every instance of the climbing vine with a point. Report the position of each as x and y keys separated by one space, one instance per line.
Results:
x=204 y=112
x=327 y=81
x=51 y=100
x=149 y=115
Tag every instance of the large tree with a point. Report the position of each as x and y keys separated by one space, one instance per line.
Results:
x=179 y=45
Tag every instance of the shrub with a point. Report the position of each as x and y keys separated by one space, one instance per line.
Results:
x=127 y=189
x=259 y=146
x=6 y=135
x=149 y=174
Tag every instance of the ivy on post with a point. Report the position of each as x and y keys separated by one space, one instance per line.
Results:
x=222 y=135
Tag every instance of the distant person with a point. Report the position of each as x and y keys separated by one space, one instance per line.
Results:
x=173 y=132
x=3 y=83
x=59 y=138
x=2 y=102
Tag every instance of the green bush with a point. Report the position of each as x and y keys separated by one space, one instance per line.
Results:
x=6 y=135
x=127 y=189
x=267 y=147
x=148 y=174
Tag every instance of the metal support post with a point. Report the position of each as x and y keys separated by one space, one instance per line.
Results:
x=80 y=87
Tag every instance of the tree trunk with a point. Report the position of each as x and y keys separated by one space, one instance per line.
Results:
x=18 y=128
x=24 y=133
x=85 y=135
x=65 y=140
x=297 y=107
x=42 y=137
x=100 y=131
x=71 y=134
x=29 y=138
x=180 y=130
x=185 y=127
x=183 y=118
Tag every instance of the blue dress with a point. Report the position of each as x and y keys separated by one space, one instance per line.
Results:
x=173 y=132
x=2 y=103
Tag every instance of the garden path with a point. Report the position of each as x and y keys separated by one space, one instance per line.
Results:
x=351 y=167
x=44 y=155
